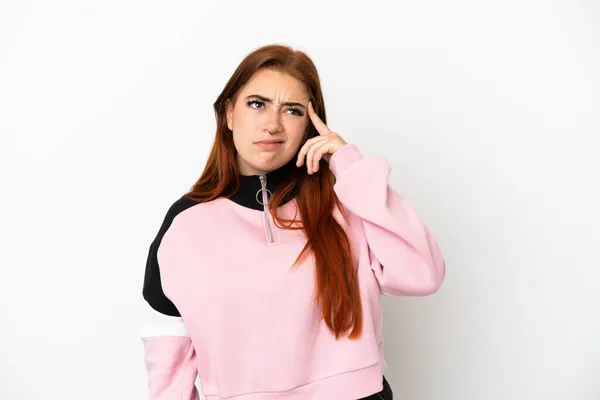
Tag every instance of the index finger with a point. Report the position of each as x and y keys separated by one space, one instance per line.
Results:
x=320 y=125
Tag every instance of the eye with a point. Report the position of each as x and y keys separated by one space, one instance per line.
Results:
x=255 y=102
x=296 y=111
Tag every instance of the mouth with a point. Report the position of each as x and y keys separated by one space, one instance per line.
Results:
x=270 y=144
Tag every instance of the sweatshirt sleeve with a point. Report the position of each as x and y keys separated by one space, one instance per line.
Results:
x=406 y=259
x=169 y=355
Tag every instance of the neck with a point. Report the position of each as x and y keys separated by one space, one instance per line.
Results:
x=251 y=184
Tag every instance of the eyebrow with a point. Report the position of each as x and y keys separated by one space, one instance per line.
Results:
x=287 y=103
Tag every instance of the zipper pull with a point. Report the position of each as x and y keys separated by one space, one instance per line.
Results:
x=263 y=181
x=265 y=201
x=263 y=192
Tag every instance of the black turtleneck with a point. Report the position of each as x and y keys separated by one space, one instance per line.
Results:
x=250 y=185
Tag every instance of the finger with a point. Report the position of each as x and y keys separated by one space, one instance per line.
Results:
x=322 y=153
x=314 y=155
x=306 y=147
x=303 y=151
x=322 y=129
x=310 y=162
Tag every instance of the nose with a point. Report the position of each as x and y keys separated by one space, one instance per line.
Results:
x=273 y=121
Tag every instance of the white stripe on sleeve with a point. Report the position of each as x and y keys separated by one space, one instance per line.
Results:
x=157 y=324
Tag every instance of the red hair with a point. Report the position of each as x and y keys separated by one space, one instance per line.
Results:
x=336 y=287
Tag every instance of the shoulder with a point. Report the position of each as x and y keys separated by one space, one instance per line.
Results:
x=176 y=208
x=152 y=289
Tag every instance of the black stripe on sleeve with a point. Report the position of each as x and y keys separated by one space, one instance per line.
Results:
x=152 y=290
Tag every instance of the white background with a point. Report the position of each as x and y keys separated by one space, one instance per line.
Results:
x=487 y=111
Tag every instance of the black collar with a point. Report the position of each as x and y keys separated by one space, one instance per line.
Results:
x=250 y=184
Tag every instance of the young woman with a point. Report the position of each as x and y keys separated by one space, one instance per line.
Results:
x=265 y=280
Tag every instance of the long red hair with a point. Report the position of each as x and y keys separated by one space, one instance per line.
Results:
x=336 y=288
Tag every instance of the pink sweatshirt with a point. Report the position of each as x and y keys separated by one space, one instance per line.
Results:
x=226 y=307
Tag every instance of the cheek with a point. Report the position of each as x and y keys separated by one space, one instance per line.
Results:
x=242 y=120
x=245 y=127
x=296 y=130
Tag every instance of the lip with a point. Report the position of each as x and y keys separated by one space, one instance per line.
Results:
x=269 y=144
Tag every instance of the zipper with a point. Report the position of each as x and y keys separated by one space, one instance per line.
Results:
x=265 y=204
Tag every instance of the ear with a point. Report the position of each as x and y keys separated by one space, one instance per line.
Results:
x=229 y=114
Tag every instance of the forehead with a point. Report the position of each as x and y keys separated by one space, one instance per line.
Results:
x=275 y=85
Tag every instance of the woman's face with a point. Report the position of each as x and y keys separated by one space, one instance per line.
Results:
x=271 y=106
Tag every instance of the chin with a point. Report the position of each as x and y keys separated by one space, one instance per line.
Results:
x=274 y=161
x=270 y=166
x=267 y=162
